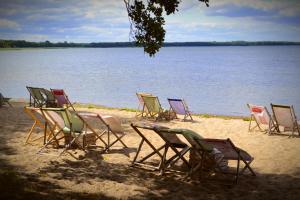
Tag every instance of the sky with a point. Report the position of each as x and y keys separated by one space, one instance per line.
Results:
x=107 y=21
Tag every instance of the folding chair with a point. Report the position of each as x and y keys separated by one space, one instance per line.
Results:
x=154 y=108
x=72 y=125
x=179 y=107
x=113 y=128
x=285 y=116
x=171 y=141
x=61 y=98
x=36 y=98
x=206 y=151
x=40 y=97
x=53 y=123
x=141 y=108
x=261 y=116
x=4 y=100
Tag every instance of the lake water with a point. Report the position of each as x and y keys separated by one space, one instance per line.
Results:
x=215 y=80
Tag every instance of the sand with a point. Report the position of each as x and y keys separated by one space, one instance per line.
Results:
x=92 y=175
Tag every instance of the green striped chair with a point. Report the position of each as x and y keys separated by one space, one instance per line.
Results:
x=41 y=97
x=72 y=125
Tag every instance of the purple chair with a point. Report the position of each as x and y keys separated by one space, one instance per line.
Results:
x=179 y=107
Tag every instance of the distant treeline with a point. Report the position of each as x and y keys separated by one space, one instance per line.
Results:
x=26 y=44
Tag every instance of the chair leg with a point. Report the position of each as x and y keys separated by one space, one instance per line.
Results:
x=30 y=132
x=156 y=151
x=191 y=117
x=109 y=143
x=237 y=171
x=120 y=139
x=71 y=143
x=198 y=166
x=137 y=152
x=247 y=166
x=49 y=141
x=257 y=124
x=249 y=128
x=179 y=155
x=163 y=165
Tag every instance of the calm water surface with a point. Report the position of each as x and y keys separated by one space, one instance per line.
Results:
x=216 y=80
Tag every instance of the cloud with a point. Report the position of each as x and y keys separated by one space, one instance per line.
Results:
x=238 y=11
x=101 y=20
x=24 y=36
x=283 y=8
x=4 y=23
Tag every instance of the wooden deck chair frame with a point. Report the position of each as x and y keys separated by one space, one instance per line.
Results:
x=4 y=100
x=66 y=121
x=67 y=116
x=109 y=131
x=253 y=117
x=54 y=126
x=238 y=155
x=184 y=105
x=295 y=126
x=141 y=110
x=173 y=142
x=61 y=92
x=34 y=112
x=164 y=162
x=152 y=113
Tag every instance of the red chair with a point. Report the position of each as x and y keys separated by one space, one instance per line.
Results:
x=61 y=98
x=261 y=116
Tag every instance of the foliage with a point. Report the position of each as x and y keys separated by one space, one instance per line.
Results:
x=147 y=21
x=25 y=44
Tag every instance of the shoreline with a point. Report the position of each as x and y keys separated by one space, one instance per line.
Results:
x=97 y=106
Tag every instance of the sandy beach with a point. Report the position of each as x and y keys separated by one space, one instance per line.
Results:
x=26 y=174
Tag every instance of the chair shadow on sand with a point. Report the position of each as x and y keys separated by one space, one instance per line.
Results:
x=94 y=171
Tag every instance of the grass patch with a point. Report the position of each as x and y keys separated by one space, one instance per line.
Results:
x=94 y=106
x=246 y=119
x=225 y=117
x=129 y=109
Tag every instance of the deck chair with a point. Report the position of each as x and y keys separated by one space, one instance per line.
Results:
x=61 y=98
x=4 y=100
x=112 y=128
x=212 y=153
x=36 y=98
x=73 y=127
x=179 y=107
x=141 y=108
x=171 y=141
x=40 y=97
x=54 y=124
x=154 y=108
x=285 y=116
x=262 y=117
